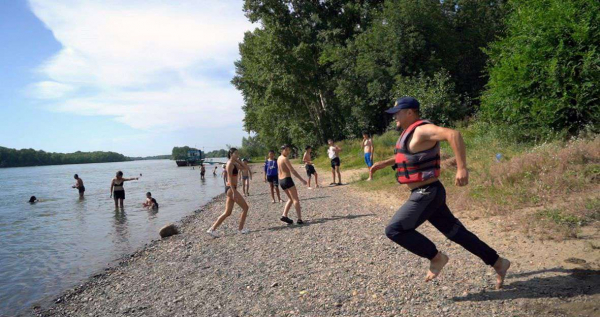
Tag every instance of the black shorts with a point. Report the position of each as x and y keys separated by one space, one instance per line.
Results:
x=227 y=188
x=286 y=183
x=335 y=162
x=81 y=189
x=119 y=194
x=310 y=170
x=273 y=179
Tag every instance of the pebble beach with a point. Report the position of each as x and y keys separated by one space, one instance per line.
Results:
x=339 y=263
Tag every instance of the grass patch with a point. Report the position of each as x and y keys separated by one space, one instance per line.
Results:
x=560 y=218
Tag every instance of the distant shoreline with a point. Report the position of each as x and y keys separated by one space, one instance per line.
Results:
x=6 y=167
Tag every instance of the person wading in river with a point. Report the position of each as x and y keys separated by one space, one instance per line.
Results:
x=233 y=196
x=417 y=164
x=117 y=190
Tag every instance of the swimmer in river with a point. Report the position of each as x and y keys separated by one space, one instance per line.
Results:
x=150 y=202
x=79 y=185
x=117 y=190
x=33 y=200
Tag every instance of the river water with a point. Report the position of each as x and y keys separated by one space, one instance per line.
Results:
x=52 y=245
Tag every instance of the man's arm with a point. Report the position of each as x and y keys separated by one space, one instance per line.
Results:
x=372 y=149
x=249 y=172
x=430 y=132
x=112 y=184
x=289 y=165
x=383 y=164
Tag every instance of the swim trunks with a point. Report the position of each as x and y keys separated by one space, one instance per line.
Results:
x=119 y=194
x=310 y=169
x=368 y=159
x=286 y=183
x=273 y=179
x=245 y=177
x=81 y=189
x=335 y=162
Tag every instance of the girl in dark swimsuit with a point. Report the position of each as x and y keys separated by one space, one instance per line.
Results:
x=233 y=196
x=116 y=188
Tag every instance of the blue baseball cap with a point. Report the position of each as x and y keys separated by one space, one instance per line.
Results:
x=404 y=103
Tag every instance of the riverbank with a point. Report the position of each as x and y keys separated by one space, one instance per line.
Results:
x=339 y=263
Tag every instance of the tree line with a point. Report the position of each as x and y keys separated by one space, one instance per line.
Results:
x=315 y=70
x=31 y=157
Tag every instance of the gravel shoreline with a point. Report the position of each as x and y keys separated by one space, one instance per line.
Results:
x=338 y=264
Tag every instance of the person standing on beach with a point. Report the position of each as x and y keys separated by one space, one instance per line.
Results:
x=117 y=190
x=287 y=184
x=271 y=176
x=202 y=171
x=310 y=168
x=417 y=164
x=79 y=185
x=233 y=196
x=224 y=175
x=368 y=150
x=246 y=177
x=333 y=152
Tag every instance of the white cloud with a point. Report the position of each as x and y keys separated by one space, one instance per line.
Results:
x=49 y=89
x=146 y=63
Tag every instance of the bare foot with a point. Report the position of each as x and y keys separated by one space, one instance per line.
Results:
x=369 y=179
x=273 y=201
x=501 y=266
x=436 y=266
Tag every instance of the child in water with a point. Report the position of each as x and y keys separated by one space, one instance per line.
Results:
x=150 y=202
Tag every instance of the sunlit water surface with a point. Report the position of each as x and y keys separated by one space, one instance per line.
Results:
x=52 y=245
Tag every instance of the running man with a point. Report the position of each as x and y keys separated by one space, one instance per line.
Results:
x=79 y=185
x=368 y=150
x=310 y=168
x=417 y=164
x=246 y=177
x=287 y=184
x=333 y=152
x=202 y=171
x=271 y=176
x=233 y=196
x=117 y=190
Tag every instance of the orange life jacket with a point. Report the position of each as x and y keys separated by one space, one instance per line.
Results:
x=415 y=167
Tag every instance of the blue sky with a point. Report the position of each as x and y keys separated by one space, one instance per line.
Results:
x=135 y=77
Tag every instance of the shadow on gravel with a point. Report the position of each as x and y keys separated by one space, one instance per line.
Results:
x=311 y=198
x=574 y=282
x=314 y=222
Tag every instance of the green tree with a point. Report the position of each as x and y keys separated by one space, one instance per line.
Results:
x=544 y=73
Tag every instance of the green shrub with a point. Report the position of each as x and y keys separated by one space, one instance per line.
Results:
x=544 y=73
x=439 y=102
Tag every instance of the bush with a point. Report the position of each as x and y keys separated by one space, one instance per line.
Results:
x=439 y=102
x=544 y=73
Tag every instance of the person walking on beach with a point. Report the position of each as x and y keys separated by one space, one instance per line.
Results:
x=333 y=152
x=417 y=164
x=271 y=176
x=233 y=196
x=310 y=168
x=117 y=190
x=246 y=177
x=287 y=184
x=79 y=185
x=202 y=171
x=368 y=150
